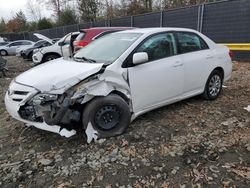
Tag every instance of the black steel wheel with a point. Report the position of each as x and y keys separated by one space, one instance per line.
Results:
x=109 y=115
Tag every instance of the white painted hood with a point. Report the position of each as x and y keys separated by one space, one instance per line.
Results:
x=58 y=75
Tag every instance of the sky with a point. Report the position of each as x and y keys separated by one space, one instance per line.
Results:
x=9 y=7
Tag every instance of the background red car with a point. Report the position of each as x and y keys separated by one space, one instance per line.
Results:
x=86 y=36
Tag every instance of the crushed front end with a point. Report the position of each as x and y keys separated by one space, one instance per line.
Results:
x=48 y=112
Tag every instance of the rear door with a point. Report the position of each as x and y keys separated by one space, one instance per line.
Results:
x=197 y=60
x=161 y=79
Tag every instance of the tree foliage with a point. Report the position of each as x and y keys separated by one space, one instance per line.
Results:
x=88 y=9
x=44 y=23
x=67 y=17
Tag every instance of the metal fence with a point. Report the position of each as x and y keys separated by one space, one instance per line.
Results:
x=224 y=22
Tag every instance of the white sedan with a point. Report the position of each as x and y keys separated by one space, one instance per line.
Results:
x=117 y=78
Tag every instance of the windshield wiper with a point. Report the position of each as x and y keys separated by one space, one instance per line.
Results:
x=85 y=59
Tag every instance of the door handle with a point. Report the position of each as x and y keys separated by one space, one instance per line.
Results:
x=177 y=64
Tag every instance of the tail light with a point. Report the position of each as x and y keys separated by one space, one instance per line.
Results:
x=80 y=43
x=231 y=54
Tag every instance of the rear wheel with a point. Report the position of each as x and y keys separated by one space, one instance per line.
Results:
x=109 y=115
x=50 y=57
x=213 y=86
x=3 y=52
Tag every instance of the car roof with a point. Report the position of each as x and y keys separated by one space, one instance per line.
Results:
x=158 y=29
x=22 y=41
x=107 y=28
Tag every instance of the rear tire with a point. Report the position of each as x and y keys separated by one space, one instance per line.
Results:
x=213 y=86
x=109 y=115
x=50 y=57
x=3 y=53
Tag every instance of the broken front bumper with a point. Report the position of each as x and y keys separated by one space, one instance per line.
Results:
x=37 y=57
x=17 y=96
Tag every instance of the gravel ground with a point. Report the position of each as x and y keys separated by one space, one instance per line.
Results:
x=193 y=143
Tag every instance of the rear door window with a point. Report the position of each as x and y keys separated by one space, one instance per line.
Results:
x=190 y=42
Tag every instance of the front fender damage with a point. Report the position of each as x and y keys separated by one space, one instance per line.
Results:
x=103 y=85
x=58 y=115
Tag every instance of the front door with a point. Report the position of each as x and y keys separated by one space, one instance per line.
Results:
x=161 y=79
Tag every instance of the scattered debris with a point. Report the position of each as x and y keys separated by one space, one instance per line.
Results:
x=91 y=133
x=247 y=108
x=202 y=144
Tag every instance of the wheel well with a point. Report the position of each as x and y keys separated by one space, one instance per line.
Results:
x=221 y=70
x=51 y=53
x=123 y=96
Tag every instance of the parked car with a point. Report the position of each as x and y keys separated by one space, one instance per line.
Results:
x=118 y=77
x=10 y=49
x=3 y=43
x=63 y=47
x=28 y=53
x=86 y=36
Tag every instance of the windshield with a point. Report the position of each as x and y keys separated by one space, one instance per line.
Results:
x=38 y=43
x=108 y=48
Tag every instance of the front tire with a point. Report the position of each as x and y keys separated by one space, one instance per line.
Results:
x=3 y=53
x=213 y=86
x=109 y=115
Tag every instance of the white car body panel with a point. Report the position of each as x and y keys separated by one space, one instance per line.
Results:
x=42 y=37
x=62 y=77
x=55 y=48
x=147 y=86
x=156 y=88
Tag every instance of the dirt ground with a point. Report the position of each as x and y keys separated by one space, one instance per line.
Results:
x=193 y=143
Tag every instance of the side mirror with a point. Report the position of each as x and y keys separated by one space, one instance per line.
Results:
x=61 y=43
x=140 y=57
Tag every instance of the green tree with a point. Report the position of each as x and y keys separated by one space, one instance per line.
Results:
x=2 y=25
x=44 y=23
x=21 y=21
x=88 y=9
x=67 y=17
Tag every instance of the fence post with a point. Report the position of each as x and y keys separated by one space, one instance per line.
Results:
x=132 y=21
x=161 y=19
x=202 y=17
x=198 y=18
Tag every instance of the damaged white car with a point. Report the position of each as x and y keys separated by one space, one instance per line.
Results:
x=117 y=78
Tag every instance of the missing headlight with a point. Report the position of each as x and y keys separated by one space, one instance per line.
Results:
x=42 y=99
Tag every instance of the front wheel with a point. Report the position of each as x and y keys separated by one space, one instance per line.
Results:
x=213 y=86
x=109 y=115
x=3 y=52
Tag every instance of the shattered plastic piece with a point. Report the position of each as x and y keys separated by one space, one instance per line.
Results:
x=67 y=133
x=247 y=108
x=91 y=133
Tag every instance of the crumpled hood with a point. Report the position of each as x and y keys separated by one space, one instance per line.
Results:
x=58 y=75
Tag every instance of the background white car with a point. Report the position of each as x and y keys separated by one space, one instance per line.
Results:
x=10 y=49
x=117 y=78
x=63 y=47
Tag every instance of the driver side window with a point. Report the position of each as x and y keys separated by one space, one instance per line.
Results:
x=159 y=46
